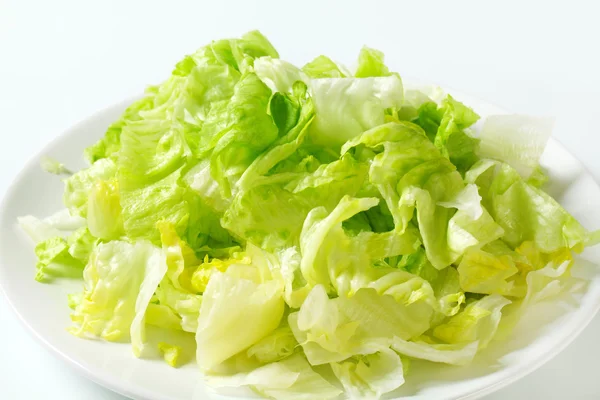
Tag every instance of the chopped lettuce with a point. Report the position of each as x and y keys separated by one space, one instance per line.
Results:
x=227 y=304
x=120 y=280
x=312 y=229
x=290 y=379
x=370 y=376
x=346 y=107
x=518 y=140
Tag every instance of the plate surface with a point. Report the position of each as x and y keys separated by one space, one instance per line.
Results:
x=43 y=307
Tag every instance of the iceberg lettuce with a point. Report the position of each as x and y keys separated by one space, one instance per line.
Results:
x=312 y=229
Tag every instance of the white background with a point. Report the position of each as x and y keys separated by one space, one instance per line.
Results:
x=62 y=60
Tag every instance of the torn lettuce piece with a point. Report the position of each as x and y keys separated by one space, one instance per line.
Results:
x=370 y=64
x=104 y=215
x=54 y=167
x=120 y=280
x=289 y=379
x=179 y=307
x=59 y=254
x=518 y=140
x=55 y=260
x=277 y=74
x=414 y=178
x=144 y=206
x=332 y=330
x=370 y=376
x=248 y=132
x=276 y=346
x=324 y=67
x=346 y=107
x=64 y=221
x=271 y=215
x=324 y=246
x=478 y=322
x=293 y=115
x=454 y=354
x=525 y=212
x=79 y=185
x=227 y=303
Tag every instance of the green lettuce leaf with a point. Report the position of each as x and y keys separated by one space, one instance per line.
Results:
x=276 y=346
x=370 y=64
x=181 y=306
x=226 y=304
x=346 y=107
x=104 y=215
x=59 y=254
x=525 y=212
x=454 y=354
x=478 y=322
x=144 y=206
x=332 y=330
x=120 y=280
x=412 y=175
x=277 y=74
x=249 y=131
x=79 y=185
x=81 y=244
x=54 y=260
x=110 y=144
x=445 y=125
x=324 y=67
x=290 y=379
x=324 y=245
x=370 y=376
x=518 y=140
x=271 y=215
x=295 y=113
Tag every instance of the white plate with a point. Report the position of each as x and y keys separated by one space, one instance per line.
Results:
x=43 y=307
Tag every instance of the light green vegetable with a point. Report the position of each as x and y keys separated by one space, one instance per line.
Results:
x=370 y=63
x=79 y=185
x=276 y=346
x=346 y=107
x=104 y=215
x=324 y=67
x=54 y=260
x=334 y=330
x=370 y=376
x=59 y=255
x=310 y=228
x=454 y=354
x=120 y=280
x=54 y=167
x=518 y=140
x=290 y=379
x=227 y=304
x=478 y=322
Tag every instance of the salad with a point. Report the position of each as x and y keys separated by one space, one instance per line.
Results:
x=306 y=222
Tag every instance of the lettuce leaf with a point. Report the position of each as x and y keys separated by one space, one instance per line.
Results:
x=290 y=379
x=226 y=303
x=346 y=107
x=370 y=376
x=332 y=330
x=518 y=140
x=120 y=280
x=525 y=212
x=311 y=228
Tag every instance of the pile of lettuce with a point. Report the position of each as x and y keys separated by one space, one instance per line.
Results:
x=302 y=220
